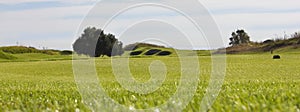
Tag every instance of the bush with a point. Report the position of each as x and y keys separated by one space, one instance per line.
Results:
x=66 y=52
x=50 y=52
x=19 y=49
x=23 y=49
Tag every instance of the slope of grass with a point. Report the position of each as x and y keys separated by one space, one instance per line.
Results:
x=289 y=50
x=6 y=56
x=19 y=49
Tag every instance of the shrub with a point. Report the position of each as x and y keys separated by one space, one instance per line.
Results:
x=19 y=49
x=66 y=52
x=50 y=52
x=23 y=49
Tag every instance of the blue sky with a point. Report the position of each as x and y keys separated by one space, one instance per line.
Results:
x=55 y=23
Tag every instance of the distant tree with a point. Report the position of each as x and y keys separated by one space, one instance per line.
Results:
x=93 y=42
x=297 y=36
x=244 y=37
x=108 y=45
x=239 y=37
x=234 y=40
x=66 y=52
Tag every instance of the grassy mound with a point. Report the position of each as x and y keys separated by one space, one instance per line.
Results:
x=151 y=52
x=145 y=49
x=19 y=49
x=135 y=46
x=142 y=49
x=24 y=49
x=4 y=55
x=136 y=53
x=22 y=53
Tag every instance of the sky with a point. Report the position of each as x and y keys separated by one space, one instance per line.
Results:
x=55 y=24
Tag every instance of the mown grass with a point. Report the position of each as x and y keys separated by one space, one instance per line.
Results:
x=253 y=83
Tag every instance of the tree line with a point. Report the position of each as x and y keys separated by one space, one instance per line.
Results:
x=95 y=43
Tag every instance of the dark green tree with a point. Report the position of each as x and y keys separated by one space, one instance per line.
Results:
x=239 y=37
x=244 y=37
x=93 y=42
x=234 y=39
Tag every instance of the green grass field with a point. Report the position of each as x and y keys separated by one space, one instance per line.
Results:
x=253 y=82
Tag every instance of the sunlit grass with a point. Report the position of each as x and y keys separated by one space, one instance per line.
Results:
x=252 y=83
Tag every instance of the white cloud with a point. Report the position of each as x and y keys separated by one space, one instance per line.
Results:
x=261 y=19
x=33 y=25
x=18 y=1
x=251 y=4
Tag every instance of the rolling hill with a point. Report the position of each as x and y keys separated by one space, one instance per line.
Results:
x=23 y=53
x=291 y=45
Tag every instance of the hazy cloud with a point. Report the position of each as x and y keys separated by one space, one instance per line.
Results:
x=262 y=19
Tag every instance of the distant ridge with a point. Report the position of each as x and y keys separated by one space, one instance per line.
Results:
x=135 y=46
x=24 y=49
x=271 y=46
